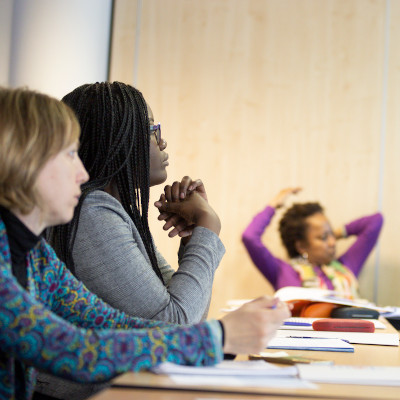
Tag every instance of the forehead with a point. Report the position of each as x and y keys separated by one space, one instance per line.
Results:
x=317 y=223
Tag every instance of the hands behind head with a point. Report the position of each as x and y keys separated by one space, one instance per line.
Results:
x=250 y=328
x=184 y=205
x=280 y=199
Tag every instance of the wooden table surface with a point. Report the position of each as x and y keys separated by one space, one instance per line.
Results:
x=145 y=385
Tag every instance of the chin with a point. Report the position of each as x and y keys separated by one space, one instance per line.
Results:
x=159 y=179
x=330 y=260
x=65 y=218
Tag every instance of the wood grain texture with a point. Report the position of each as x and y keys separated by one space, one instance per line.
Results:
x=257 y=95
x=389 y=252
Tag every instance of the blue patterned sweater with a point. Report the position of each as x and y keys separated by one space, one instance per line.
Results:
x=58 y=326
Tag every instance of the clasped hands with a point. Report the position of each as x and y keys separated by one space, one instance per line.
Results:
x=184 y=205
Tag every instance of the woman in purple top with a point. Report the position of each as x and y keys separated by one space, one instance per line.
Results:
x=311 y=244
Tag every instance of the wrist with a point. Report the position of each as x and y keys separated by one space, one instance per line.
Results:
x=210 y=220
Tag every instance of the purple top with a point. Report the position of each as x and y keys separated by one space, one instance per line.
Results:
x=280 y=273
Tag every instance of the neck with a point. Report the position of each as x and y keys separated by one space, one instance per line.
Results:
x=113 y=190
x=32 y=221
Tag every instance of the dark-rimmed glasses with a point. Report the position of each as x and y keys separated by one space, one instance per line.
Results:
x=156 y=129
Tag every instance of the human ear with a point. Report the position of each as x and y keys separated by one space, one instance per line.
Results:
x=301 y=246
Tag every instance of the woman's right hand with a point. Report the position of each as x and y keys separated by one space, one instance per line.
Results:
x=250 y=328
x=193 y=209
x=280 y=199
x=177 y=192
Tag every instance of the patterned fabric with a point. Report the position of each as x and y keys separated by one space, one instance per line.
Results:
x=58 y=326
x=343 y=280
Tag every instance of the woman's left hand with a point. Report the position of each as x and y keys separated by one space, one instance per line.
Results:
x=177 y=192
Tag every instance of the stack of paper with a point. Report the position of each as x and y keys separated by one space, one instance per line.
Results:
x=356 y=375
x=296 y=343
x=385 y=339
x=228 y=368
x=234 y=374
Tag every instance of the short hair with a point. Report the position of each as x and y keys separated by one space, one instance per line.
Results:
x=34 y=127
x=293 y=226
x=115 y=147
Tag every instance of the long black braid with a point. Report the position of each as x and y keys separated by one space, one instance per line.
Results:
x=115 y=147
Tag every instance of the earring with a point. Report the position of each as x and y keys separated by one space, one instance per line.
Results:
x=305 y=255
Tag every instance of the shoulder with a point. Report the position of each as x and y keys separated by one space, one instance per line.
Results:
x=102 y=218
x=99 y=198
x=99 y=206
x=44 y=252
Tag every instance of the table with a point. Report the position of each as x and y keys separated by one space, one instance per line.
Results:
x=148 y=386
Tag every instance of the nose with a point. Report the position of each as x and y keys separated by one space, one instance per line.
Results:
x=332 y=240
x=163 y=144
x=82 y=175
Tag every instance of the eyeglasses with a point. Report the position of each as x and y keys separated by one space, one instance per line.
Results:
x=156 y=129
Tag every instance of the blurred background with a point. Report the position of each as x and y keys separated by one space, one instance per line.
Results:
x=252 y=95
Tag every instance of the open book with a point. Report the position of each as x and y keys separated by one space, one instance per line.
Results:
x=291 y=293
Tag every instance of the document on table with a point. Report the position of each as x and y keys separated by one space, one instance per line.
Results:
x=317 y=344
x=391 y=312
x=228 y=368
x=351 y=375
x=385 y=339
x=234 y=374
x=289 y=293
x=241 y=382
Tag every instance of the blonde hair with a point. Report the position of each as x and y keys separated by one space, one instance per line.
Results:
x=34 y=127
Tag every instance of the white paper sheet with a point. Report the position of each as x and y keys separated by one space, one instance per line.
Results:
x=228 y=368
x=386 y=339
x=357 y=375
x=235 y=374
x=235 y=381
x=294 y=343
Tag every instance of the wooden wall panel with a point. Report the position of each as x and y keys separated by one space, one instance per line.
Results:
x=123 y=40
x=389 y=274
x=256 y=95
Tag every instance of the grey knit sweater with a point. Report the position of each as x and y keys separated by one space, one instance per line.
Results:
x=110 y=258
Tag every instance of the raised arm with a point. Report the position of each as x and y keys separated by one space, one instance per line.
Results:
x=265 y=261
x=111 y=260
x=367 y=230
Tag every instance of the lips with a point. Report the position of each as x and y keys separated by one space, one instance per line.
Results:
x=165 y=161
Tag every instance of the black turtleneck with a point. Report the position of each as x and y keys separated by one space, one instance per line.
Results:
x=21 y=241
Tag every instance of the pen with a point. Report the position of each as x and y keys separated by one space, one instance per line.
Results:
x=292 y=323
x=311 y=337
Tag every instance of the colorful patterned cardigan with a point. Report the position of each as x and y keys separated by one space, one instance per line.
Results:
x=58 y=326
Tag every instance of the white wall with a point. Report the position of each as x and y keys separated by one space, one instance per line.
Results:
x=57 y=45
x=5 y=42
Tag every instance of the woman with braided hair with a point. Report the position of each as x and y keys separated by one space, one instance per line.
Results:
x=49 y=321
x=108 y=244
